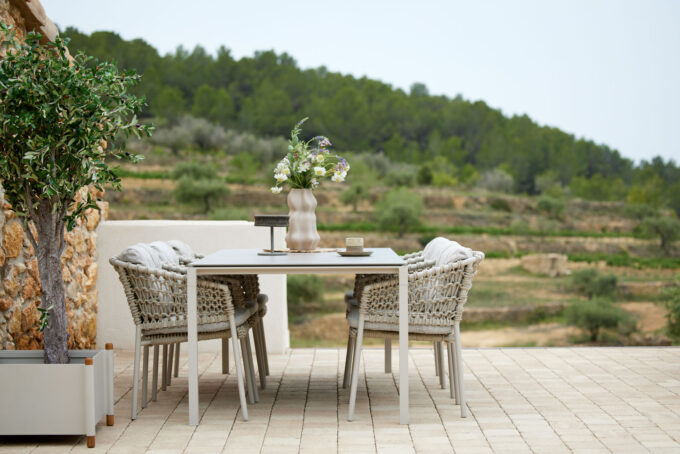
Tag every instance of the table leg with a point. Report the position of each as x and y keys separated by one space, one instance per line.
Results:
x=403 y=344
x=192 y=345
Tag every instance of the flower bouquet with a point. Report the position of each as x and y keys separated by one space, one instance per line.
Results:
x=308 y=162
x=304 y=167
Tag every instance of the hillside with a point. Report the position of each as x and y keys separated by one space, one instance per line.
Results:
x=451 y=139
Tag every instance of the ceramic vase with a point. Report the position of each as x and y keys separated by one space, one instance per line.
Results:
x=302 y=234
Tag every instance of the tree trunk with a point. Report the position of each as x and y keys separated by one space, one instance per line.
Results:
x=50 y=240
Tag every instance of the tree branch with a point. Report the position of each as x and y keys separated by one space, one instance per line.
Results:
x=29 y=203
x=31 y=238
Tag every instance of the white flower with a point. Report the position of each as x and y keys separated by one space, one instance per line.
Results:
x=276 y=189
x=337 y=178
x=319 y=157
x=304 y=166
x=285 y=170
x=314 y=182
x=280 y=177
x=319 y=171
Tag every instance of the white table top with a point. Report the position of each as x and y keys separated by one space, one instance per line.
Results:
x=242 y=258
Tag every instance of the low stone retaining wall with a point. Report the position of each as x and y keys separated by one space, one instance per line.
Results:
x=511 y=313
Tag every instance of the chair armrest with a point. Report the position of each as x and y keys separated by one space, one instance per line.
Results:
x=158 y=298
x=436 y=295
x=413 y=256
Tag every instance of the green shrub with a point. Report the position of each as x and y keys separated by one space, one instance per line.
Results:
x=194 y=169
x=497 y=255
x=673 y=314
x=142 y=174
x=499 y=204
x=623 y=259
x=552 y=207
x=354 y=194
x=304 y=288
x=664 y=227
x=591 y=283
x=519 y=226
x=200 y=191
x=243 y=167
x=496 y=180
x=423 y=240
x=425 y=175
x=399 y=210
x=638 y=211
x=594 y=314
x=401 y=175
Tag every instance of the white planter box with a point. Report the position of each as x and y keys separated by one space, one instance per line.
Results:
x=56 y=399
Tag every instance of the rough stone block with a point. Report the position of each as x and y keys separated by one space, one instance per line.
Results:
x=552 y=265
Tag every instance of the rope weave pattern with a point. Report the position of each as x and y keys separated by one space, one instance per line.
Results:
x=436 y=295
x=362 y=280
x=158 y=298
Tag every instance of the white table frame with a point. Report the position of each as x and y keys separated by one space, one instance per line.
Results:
x=193 y=272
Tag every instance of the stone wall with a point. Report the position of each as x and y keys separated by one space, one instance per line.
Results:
x=20 y=292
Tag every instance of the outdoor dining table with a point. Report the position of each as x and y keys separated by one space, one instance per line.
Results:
x=247 y=261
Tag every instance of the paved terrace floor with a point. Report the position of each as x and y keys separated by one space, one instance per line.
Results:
x=540 y=400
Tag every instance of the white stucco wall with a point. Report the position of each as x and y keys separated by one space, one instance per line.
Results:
x=114 y=323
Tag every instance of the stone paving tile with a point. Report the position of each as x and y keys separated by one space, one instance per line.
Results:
x=579 y=400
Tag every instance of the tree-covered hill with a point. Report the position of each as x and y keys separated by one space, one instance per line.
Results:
x=267 y=93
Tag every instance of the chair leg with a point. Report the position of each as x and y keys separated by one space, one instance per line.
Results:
x=460 y=373
x=346 y=380
x=154 y=385
x=388 y=356
x=252 y=367
x=171 y=358
x=452 y=384
x=263 y=346
x=225 y=355
x=258 y=356
x=246 y=372
x=436 y=358
x=145 y=376
x=440 y=357
x=454 y=356
x=356 y=363
x=239 y=372
x=176 y=369
x=135 y=373
x=164 y=371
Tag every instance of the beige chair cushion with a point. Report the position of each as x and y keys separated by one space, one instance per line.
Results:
x=181 y=248
x=141 y=254
x=165 y=252
x=240 y=317
x=353 y=320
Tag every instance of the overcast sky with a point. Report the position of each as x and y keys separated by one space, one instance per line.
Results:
x=606 y=70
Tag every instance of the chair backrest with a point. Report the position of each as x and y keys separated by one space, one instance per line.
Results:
x=437 y=295
x=156 y=296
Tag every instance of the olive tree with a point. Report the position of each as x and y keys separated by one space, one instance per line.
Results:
x=400 y=209
x=58 y=114
x=665 y=227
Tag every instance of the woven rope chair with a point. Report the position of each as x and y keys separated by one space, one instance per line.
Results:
x=158 y=302
x=436 y=299
x=352 y=302
x=246 y=293
x=417 y=261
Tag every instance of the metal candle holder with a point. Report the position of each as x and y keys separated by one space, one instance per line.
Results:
x=271 y=221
